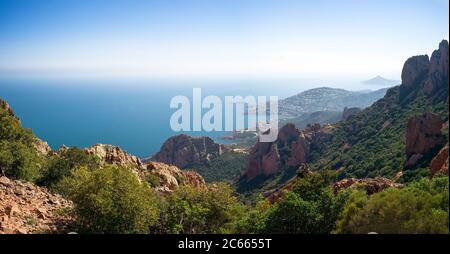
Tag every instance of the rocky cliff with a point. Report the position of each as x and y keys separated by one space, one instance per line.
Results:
x=423 y=134
x=184 y=151
x=290 y=150
x=438 y=79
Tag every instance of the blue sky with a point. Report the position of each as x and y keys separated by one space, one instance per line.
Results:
x=184 y=39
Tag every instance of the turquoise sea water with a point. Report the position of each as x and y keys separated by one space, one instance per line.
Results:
x=132 y=115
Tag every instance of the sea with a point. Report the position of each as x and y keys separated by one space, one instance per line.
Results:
x=134 y=115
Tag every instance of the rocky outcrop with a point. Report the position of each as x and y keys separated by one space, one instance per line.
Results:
x=267 y=158
x=115 y=155
x=423 y=133
x=263 y=159
x=370 y=185
x=439 y=68
x=184 y=151
x=42 y=147
x=414 y=70
x=349 y=112
x=26 y=208
x=170 y=177
x=439 y=164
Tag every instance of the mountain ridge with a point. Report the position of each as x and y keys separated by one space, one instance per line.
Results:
x=326 y=99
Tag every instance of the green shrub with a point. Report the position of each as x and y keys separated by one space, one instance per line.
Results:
x=254 y=220
x=18 y=156
x=19 y=161
x=153 y=180
x=310 y=208
x=192 y=210
x=111 y=200
x=62 y=165
x=421 y=207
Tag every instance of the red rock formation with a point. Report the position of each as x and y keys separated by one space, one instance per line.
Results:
x=290 y=149
x=183 y=151
x=271 y=161
x=299 y=152
x=414 y=69
x=439 y=164
x=26 y=208
x=370 y=185
x=263 y=158
x=423 y=133
x=439 y=68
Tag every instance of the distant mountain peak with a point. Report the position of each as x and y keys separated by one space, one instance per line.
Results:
x=381 y=81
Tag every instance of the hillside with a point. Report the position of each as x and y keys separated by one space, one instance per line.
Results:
x=321 y=117
x=373 y=142
x=396 y=137
x=326 y=99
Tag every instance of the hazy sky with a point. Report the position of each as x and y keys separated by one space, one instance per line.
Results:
x=181 y=39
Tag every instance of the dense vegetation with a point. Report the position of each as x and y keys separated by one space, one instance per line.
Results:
x=420 y=208
x=226 y=167
x=311 y=207
x=18 y=157
x=192 y=211
x=322 y=117
x=62 y=165
x=111 y=200
x=372 y=143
